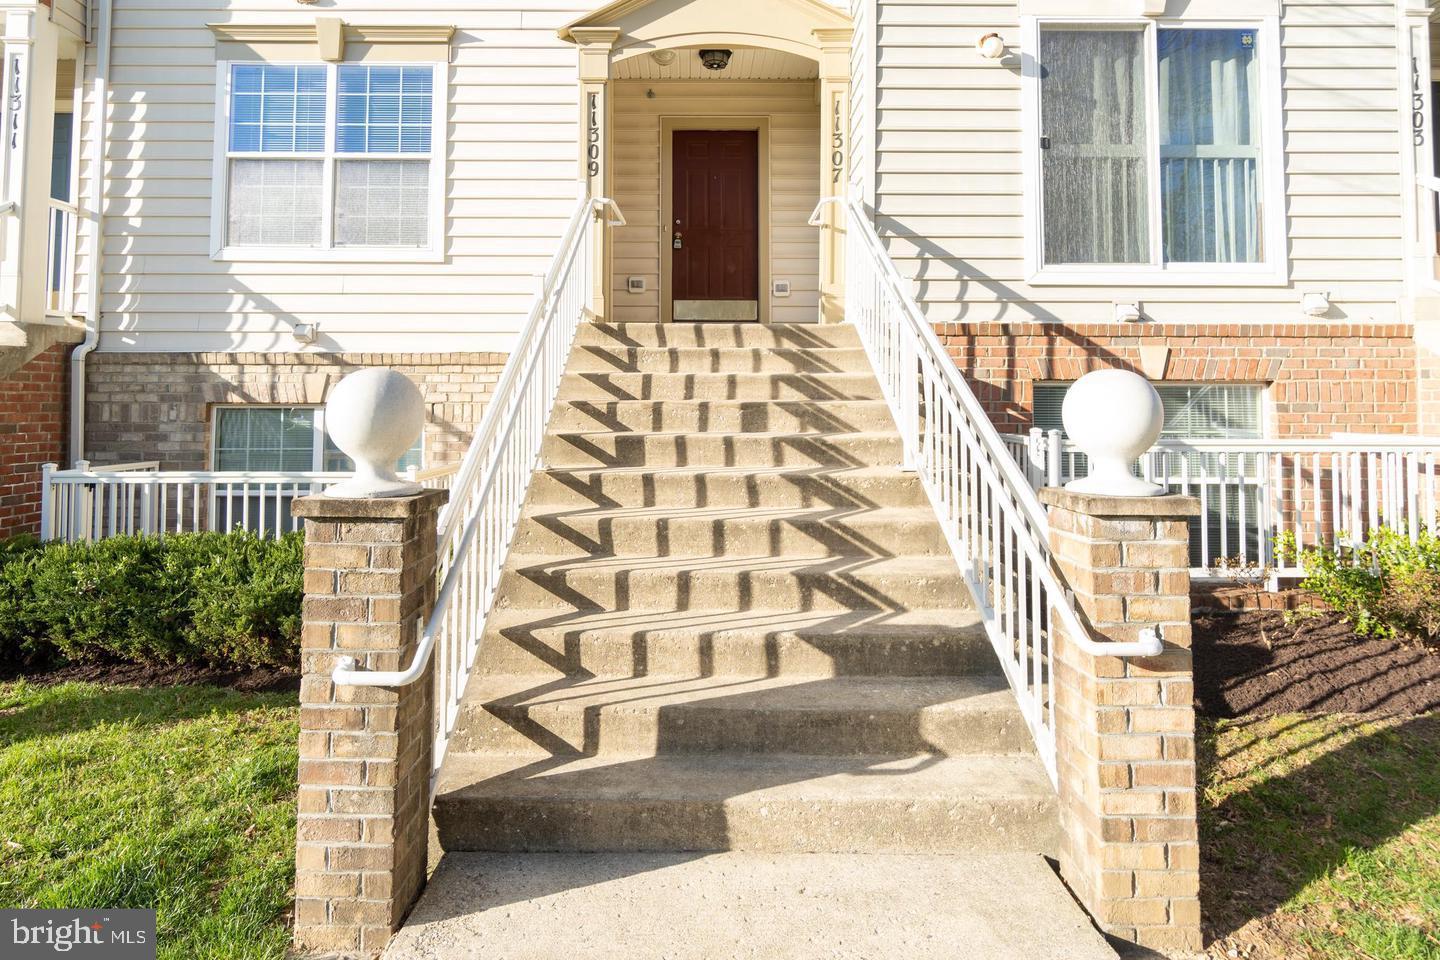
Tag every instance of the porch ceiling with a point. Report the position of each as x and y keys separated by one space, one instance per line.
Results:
x=748 y=63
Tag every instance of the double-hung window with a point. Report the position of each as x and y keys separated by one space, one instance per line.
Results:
x=1154 y=152
x=344 y=160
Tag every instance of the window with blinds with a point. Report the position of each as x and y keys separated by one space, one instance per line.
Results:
x=332 y=156
x=269 y=439
x=1203 y=411
x=1151 y=145
x=265 y=439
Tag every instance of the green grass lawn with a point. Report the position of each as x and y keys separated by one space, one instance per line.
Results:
x=1321 y=837
x=180 y=798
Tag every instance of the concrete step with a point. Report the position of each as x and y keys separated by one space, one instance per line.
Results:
x=807 y=336
x=746 y=906
x=719 y=386
x=748 y=531
x=756 y=802
x=939 y=643
x=651 y=715
x=603 y=359
x=682 y=487
x=731 y=582
x=722 y=416
x=757 y=450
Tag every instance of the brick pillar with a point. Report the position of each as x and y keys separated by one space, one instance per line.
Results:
x=1125 y=729
x=365 y=752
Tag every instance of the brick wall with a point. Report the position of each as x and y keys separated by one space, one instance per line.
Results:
x=34 y=409
x=1125 y=728
x=148 y=406
x=1323 y=378
x=1428 y=379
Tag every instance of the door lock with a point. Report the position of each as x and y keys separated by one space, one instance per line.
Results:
x=678 y=243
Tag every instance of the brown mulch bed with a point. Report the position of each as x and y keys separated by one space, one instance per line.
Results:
x=251 y=680
x=1316 y=665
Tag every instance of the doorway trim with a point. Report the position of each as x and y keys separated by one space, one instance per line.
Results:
x=668 y=126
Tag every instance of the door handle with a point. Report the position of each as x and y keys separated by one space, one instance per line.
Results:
x=679 y=241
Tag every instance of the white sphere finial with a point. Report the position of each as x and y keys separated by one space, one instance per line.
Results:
x=1113 y=416
x=374 y=417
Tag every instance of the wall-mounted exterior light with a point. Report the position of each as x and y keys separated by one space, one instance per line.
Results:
x=715 y=59
x=1315 y=304
x=991 y=46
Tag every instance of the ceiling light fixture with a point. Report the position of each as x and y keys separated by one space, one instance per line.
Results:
x=715 y=59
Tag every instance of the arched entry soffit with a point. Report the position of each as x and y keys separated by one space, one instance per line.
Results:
x=646 y=25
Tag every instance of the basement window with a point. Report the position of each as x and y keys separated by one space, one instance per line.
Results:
x=262 y=439
x=1203 y=411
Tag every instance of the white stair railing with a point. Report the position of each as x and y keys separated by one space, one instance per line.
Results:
x=992 y=519
x=480 y=520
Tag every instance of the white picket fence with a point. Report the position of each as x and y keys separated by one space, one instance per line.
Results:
x=1322 y=492
x=92 y=503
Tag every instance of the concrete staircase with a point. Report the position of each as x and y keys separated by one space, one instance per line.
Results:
x=730 y=625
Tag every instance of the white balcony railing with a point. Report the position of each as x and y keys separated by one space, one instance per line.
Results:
x=92 y=503
x=60 y=259
x=1321 y=492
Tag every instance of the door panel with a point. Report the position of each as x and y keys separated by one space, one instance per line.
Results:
x=716 y=209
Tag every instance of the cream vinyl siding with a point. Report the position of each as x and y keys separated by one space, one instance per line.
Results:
x=512 y=168
x=69 y=15
x=794 y=183
x=950 y=190
x=862 y=96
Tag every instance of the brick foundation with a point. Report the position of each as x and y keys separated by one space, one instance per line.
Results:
x=147 y=406
x=365 y=752
x=1125 y=728
x=34 y=410
x=1322 y=378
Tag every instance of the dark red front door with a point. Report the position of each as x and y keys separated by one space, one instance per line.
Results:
x=715 y=237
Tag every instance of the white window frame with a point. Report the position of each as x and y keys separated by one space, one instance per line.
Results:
x=327 y=251
x=317 y=443
x=1273 y=270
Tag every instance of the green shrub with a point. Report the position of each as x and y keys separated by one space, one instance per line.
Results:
x=1387 y=586
x=214 y=598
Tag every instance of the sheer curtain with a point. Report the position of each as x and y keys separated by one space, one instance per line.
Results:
x=1209 y=146
x=1094 y=167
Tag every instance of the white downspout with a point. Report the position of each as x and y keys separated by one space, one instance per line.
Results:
x=97 y=227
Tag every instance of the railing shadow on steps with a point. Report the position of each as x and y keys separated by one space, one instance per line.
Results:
x=478 y=523
x=990 y=514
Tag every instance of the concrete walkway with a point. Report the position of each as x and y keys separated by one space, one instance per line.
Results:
x=746 y=906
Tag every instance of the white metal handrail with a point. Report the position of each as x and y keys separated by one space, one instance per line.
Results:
x=991 y=516
x=489 y=491
x=1322 y=493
